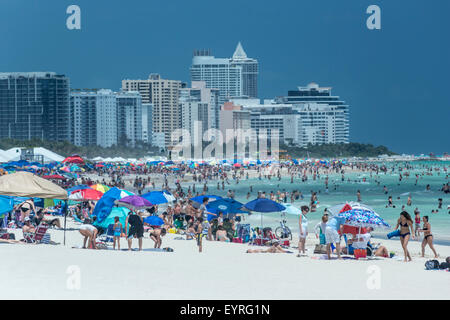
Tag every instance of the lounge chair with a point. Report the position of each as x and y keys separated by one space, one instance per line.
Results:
x=37 y=235
x=107 y=237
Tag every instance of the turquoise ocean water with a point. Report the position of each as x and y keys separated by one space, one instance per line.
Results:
x=372 y=194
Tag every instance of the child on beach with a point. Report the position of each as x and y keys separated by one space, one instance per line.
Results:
x=117 y=233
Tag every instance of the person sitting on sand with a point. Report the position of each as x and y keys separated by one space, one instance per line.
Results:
x=40 y=218
x=221 y=234
x=28 y=227
x=90 y=233
x=362 y=241
x=190 y=232
x=275 y=248
x=156 y=235
x=26 y=208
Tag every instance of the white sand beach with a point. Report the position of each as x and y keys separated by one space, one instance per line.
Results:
x=222 y=271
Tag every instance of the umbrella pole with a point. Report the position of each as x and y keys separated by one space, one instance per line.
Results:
x=65 y=219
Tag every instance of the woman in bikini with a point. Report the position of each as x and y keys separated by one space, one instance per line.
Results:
x=428 y=237
x=406 y=231
x=26 y=208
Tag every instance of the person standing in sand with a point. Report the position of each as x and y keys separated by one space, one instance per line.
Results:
x=406 y=231
x=332 y=235
x=428 y=237
x=136 y=229
x=303 y=227
x=117 y=233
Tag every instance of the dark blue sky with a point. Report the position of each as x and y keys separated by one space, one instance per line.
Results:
x=396 y=79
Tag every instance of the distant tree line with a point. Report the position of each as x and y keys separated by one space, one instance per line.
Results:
x=339 y=150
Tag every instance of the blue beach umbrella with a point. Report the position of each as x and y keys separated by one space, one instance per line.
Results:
x=211 y=198
x=158 y=197
x=225 y=205
x=6 y=205
x=79 y=187
x=290 y=209
x=264 y=205
x=154 y=221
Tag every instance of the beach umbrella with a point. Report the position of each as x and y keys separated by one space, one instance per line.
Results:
x=290 y=209
x=85 y=194
x=154 y=221
x=73 y=159
x=225 y=205
x=6 y=205
x=158 y=197
x=125 y=193
x=100 y=187
x=336 y=209
x=263 y=205
x=75 y=168
x=120 y=212
x=78 y=187
x=211 y=198
x=134 y=202
x=363 y=218
x=197 y=201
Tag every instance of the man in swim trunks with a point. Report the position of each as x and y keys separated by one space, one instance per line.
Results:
x=136 y=229
x=332 y=236
x=156 y=235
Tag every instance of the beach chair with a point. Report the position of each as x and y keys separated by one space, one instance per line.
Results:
x=37 y=235
x=108 y=237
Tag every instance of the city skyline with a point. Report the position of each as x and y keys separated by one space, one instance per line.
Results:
x=394 y=76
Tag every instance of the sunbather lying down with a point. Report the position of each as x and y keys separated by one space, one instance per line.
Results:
x=275 y=248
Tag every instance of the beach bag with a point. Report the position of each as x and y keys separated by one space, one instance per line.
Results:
x=46 y=238
x=320 y=249
x=444 y=265
x=432 y=265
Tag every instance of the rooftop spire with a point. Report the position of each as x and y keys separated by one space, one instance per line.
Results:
x=239 y=53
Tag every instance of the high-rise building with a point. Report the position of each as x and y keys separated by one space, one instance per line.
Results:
x=129 y=117
x=233 y=116
x=324 y=117
x=147 y=125
x=34 y=105
x=163 y=94
x=249 y=71
x=234 y=77
x=199 y=104
x=94 y=118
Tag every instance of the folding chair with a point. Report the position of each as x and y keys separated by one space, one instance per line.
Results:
x=37 y=235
